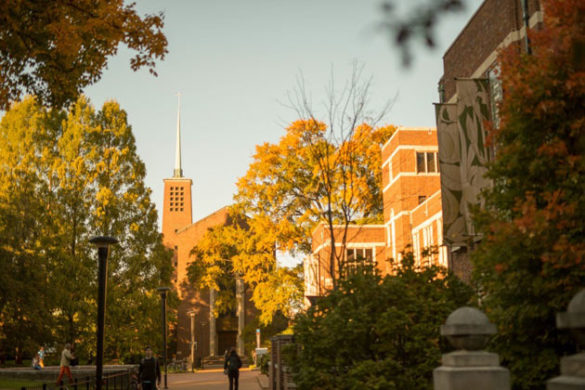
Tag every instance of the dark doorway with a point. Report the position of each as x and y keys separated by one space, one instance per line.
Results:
x=226 y=340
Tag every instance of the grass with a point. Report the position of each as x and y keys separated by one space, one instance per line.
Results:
x=11 y=383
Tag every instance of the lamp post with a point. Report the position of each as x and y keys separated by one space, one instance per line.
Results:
x=192 y=356
x=103 y=246
x=163 y=300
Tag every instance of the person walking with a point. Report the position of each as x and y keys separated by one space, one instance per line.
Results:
x=232 y=364
x=65 y=365
x=41 y=355
x=149 y=371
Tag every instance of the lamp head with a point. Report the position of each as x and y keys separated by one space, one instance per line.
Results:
x=103 y=241
x=163 y=290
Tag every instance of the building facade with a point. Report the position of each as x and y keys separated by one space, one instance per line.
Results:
x=469 y=94
x=412 y=215
x=199 y=334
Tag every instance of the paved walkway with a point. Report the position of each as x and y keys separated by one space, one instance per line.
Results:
x=211 y=380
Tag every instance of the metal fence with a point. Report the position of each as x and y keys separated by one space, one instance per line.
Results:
x=126 y=380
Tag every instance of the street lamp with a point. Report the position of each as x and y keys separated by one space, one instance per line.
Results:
x=192 y=315
x=163 y=300
x=103 y=246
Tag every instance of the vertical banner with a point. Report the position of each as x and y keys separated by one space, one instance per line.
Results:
x=463 y=157
x=473 y=112
x=449 y=167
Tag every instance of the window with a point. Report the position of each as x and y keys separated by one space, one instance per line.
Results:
x=420 y=162
x=359 y=254
x=426 y=162
x=421 y=199
x=358 y=257
x=431 y=166
x=350 y=254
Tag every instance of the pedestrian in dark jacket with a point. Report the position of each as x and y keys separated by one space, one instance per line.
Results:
x=232 y=365
x=149 y=371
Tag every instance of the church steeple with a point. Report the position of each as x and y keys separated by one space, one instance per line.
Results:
x=177 y=212
x=178 y=172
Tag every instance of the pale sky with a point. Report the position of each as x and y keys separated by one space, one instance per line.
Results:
x=234 y=61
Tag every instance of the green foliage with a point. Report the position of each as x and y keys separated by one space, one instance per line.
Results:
x=264 y=364
x=531 y=259
x=376 y=333
x=66 y=176
x=17 y=384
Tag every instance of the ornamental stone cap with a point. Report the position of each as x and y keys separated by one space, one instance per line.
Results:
x=467 y=321
x=574 y=317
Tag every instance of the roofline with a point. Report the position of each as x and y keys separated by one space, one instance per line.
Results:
x=200 y=220
x=463 y=29
x=405 y=128
x=352 y=225
x=178 y=179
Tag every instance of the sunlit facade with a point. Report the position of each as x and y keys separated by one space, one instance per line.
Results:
x=412 y=215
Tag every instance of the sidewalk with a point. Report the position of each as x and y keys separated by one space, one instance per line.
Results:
x=213 y=379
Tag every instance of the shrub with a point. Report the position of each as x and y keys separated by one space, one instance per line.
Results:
x=376 y=333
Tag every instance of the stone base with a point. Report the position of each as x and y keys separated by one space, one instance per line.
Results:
x=471 y=359
x=572 y=374
x=471 y=378
x=573 y=365
x=566 y=383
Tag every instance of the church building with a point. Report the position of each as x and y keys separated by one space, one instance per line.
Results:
x=200 y=335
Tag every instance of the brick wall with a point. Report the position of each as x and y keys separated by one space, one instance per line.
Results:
x=427 y=219
x=485 y=31
x=358 y=236
x=187 y=237
x=404 y=188
x=177 y=212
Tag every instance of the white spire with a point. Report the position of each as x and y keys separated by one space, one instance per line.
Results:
x=178 y=172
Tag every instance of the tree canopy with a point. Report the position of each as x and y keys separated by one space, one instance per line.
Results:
x=55 y=48
x=532 y=257
x=306 y=179
x=66 y=176
x=245 y=247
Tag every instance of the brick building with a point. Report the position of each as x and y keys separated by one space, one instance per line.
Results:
x=195 y=322
x=469 y=92
x=412 y=214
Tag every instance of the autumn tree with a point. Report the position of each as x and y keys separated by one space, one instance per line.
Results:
x=245 y=248
x=66 y=176
x=532 y=258
x=55 y=48
x=319 y=172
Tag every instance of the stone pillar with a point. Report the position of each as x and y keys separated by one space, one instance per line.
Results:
x=573 y=366
x=469 y=368
x=212 y=332
x=241 y=313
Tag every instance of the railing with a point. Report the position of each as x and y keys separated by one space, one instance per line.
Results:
x=127 y=380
